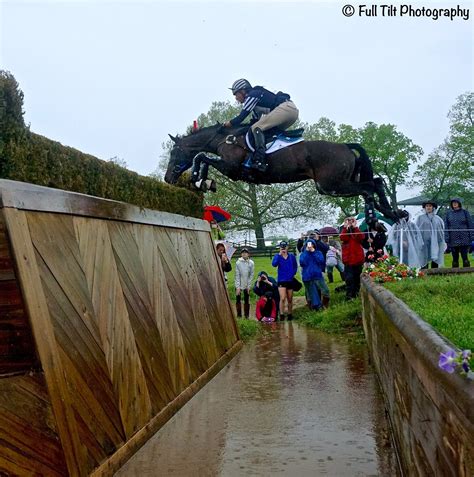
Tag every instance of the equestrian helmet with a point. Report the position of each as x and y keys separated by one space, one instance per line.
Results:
x=240 y=84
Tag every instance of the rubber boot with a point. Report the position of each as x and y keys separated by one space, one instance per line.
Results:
x=246 y=310
x=325 y=301
x=238 y=306
x=466 y=263
x=343 y=278
x=290 y=317
x=455 y=265
x=330 y=277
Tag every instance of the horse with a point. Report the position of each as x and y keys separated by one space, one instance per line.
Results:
x=337 y=169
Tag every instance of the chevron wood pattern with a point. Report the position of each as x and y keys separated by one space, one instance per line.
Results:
x=125 y=318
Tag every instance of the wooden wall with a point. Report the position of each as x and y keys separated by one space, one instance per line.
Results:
x=127 y=315
x=431 y=411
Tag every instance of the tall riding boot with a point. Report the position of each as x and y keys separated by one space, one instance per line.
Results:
x=466 y=263
x=257 y=160
x=238 y=306
x=325 y=301
x=343 y=277
x=330 y=277
x=246 y=310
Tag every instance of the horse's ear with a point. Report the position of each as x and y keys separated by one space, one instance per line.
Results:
x=172 y=138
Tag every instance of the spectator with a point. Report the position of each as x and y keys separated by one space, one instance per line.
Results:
x=244 y=271
x=321 y=245
x=375 y=242
x=311 y=261
x=432 y=231
x=266 y=284
x=406 y=243
x=459 y=232
x=334 y=260
x=265 y=309
x=216 y=231
x=287 y=268
x=224 y=260
x=352 y=256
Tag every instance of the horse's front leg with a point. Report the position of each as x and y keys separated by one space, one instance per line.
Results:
x=200 y=173
x=195 y=173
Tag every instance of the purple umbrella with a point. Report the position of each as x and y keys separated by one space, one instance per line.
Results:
x=329 y=231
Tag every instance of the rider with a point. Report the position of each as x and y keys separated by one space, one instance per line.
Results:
x=268 y=110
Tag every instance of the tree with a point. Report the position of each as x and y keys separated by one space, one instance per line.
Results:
x=12 y=124
x=391 y=153
x=449 y=169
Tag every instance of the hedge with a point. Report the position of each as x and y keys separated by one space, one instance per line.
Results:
x=39 y=160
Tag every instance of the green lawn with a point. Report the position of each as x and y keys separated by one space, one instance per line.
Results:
x=445 y=302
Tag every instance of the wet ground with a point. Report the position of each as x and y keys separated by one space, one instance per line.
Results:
x=295 y=402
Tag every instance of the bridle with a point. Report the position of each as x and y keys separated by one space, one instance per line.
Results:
x=179 y=168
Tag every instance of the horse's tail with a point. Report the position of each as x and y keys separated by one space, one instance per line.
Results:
x=363 y=164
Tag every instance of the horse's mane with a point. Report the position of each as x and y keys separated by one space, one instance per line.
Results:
x=236 y=130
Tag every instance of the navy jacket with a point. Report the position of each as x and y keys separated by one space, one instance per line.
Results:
x=261 y=97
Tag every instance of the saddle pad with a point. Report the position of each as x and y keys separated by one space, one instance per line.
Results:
x=278 y=142
x=281 y=142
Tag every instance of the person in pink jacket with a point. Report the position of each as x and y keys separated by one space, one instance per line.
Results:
x=265 y=309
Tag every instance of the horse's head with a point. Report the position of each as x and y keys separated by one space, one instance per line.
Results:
x=186 y=147
x=180 y=160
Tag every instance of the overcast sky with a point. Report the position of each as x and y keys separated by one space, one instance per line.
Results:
x=114 y=78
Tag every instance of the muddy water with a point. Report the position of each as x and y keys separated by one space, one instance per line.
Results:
x=296 y=402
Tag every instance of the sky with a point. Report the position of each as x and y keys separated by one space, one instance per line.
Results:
x=112 y=79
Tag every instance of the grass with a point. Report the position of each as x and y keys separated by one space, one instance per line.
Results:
x=445 y=302
x=248 y=328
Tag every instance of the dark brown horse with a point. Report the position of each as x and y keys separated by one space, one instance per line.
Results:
x=335 y=168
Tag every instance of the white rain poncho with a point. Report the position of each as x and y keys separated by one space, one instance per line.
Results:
x=407 y=243
x=432 y=231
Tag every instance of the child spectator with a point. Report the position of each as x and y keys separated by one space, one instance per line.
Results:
x=265 y=309
x=224 y=260
x=244 y=271
x=375 y=242
x=266 y=284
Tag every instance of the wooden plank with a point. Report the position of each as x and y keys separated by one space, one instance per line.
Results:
x=83 y=362
x=162 y=304
x=23 y=196
x=44 y=337
x=140 y=312
x=115 y=330
x=28 y=437
x=17 y=349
